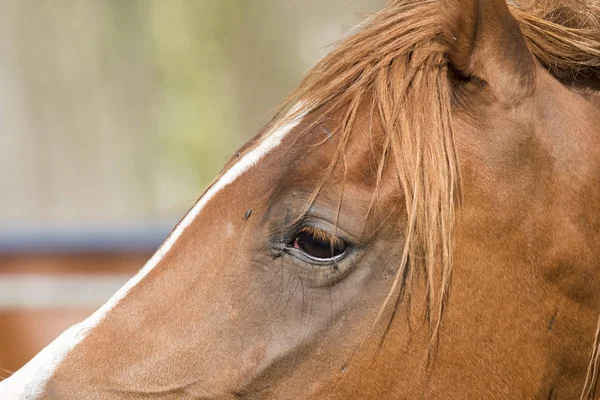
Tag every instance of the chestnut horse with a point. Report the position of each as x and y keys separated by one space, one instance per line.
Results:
x=423 y=222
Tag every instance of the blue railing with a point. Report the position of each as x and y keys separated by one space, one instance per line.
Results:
x=145 y=238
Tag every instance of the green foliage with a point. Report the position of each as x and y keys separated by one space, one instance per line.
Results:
x=191 y=40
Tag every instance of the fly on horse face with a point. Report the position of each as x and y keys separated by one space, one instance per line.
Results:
x=425 y=224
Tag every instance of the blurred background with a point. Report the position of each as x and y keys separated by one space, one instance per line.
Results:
x=114 y=115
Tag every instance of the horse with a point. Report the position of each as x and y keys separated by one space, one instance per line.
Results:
x=420 y=220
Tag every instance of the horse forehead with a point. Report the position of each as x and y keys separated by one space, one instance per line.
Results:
x=356 y=156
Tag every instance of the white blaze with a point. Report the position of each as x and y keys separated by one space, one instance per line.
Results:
x=28 y=382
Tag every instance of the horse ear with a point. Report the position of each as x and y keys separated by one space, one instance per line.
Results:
x=485 y=41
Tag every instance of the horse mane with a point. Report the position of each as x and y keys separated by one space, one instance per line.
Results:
x=395 y=63
x=563 y=35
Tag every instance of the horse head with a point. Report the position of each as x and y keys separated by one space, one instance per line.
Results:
x=421 y=220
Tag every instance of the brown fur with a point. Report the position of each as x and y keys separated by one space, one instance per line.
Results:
x=399 y=61
x=452 y=122
x=401 y=70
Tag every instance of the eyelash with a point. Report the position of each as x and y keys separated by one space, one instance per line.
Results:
x=321 y=235
x=286 y=242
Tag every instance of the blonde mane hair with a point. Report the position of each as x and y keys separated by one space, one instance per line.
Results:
x=397 y=63
x=563 y=35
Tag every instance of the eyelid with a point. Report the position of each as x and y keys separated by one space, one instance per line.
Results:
x=312 y=260
x=323 y=235
x=315 y=272
x=324 y=225
x=305 y=257
x=283 y=237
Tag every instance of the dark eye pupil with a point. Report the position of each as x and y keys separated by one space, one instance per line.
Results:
x=319 y=247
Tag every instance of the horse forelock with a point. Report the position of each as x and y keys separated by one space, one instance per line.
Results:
x=396 y=64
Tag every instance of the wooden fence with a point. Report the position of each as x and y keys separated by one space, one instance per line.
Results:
x=52 y=281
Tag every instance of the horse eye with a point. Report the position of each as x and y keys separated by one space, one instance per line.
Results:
x=319 y=244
